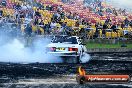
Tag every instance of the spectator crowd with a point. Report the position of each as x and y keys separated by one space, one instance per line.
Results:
x=50 y=17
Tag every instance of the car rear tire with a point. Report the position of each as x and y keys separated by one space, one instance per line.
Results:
x=72 y=60
x=82 y=80
x=78 y=59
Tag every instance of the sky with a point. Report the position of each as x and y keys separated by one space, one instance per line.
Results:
x=122 y=3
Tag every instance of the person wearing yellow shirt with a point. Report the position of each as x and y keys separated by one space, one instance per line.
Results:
x=4 y=11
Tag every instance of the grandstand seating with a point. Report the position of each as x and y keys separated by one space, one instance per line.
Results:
x=75 y=8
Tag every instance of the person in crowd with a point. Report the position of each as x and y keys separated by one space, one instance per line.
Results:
x=18 y=6
x=131 y=23
x=56 y=16
x=41 y=23
x=1 y=12
x=114 y=27
x=122 y=25
x=104 y=30
x=4 y=3
x=97 y=29
x=63 y=28
x=47 y=28
x=70 y=16
x=75 y=16
x=84 y=22
x=49 y=8
x=36 y=21
x=108 y=10
x=22 y=14
x=115 y=12
x=126 y=21
x=24 y=6
x=64 y=24
x=37 y=14
x=28 y=29
x=124 y=12
x=1 y=21
x=53 y=24
x=40 y=6
x=62 y=14
x=77 y=24
x=59 y=8
x=100 y=12
x=21 y=10
x=108 y=20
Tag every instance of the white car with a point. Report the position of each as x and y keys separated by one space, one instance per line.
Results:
x=70 y=48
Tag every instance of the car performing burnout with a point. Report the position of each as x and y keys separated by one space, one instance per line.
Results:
x=69 y=48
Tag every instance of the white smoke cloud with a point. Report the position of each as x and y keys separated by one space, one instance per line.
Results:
x=15 y=51
x=85 y=58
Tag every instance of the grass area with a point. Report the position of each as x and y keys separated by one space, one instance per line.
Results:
x=104 y=45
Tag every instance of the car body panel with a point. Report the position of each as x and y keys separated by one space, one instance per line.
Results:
x=62 y=49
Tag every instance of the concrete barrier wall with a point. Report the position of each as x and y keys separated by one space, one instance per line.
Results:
x=112 y=50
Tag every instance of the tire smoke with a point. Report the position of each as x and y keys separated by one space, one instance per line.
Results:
x=85 y=58
x=15 y=51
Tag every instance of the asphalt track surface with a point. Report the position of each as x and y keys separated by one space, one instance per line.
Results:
x=39 y=75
